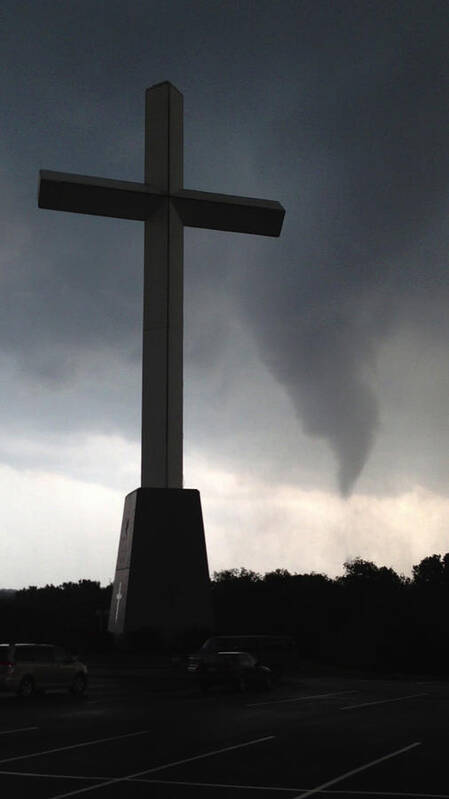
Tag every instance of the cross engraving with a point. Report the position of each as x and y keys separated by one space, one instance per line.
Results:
x=165 y=207
x=118 y=598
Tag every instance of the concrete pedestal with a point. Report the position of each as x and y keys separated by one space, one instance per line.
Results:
x=162 y=577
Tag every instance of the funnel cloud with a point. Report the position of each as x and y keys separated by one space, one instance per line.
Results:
x=372 y=179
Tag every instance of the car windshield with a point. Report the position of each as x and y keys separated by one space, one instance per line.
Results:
x=214 y=644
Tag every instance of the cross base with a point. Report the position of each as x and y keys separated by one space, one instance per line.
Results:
x=161 y=583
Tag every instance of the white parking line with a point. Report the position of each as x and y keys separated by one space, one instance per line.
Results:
x=347 y=774
x=73 y=746
x=404 y=795
x=293 y=790
x=393 y=793
x=19 y=729
x=160 y=768
x=221 y=785
x=383 y=701
x=300 y=698
x=52 y=776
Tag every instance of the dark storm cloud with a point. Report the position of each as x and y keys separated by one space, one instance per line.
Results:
x=338 y=110
x=370 y=134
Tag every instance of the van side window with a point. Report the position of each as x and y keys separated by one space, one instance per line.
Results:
x=43 y=654
x=25 y=654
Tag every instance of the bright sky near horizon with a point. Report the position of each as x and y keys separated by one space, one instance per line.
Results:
x=316 y=373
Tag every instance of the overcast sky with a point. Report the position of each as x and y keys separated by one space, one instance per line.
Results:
x=316 y=374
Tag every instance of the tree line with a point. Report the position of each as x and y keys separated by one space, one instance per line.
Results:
x=369 y=618
x=72 y=614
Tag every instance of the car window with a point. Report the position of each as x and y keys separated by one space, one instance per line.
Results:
x=25 y=654
x=43 y=654
x=237 y=642
x=215 y=644
x=276 y=644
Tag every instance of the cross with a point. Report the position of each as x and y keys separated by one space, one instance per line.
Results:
x=118 y=598
x=165 y=207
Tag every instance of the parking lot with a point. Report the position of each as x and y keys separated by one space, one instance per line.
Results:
x=137 y=734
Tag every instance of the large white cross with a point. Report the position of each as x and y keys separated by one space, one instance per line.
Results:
x=165 y=207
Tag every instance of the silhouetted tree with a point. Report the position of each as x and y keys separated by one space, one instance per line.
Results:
x=432 y=570
x=68 y=614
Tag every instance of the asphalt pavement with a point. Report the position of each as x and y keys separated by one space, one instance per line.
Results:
x=148 y=732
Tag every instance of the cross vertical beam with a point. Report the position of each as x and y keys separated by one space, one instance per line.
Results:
x=162 y=367
x=165 y=207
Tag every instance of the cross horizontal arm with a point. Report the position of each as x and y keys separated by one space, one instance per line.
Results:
x=225 y=212
x=63 y=191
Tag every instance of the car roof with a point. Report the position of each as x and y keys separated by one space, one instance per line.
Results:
x=28 y=643
x=246 y=640
x=228 y=636
x=234 y=652
x=231 y=637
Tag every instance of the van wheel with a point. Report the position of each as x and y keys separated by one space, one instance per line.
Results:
x=26 y=687
x=79 y=685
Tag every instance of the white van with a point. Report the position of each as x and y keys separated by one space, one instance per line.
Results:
x=26 y=668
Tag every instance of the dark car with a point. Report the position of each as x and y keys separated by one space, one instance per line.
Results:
x=26 y=668
x=234 y=670
x=278 y=652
